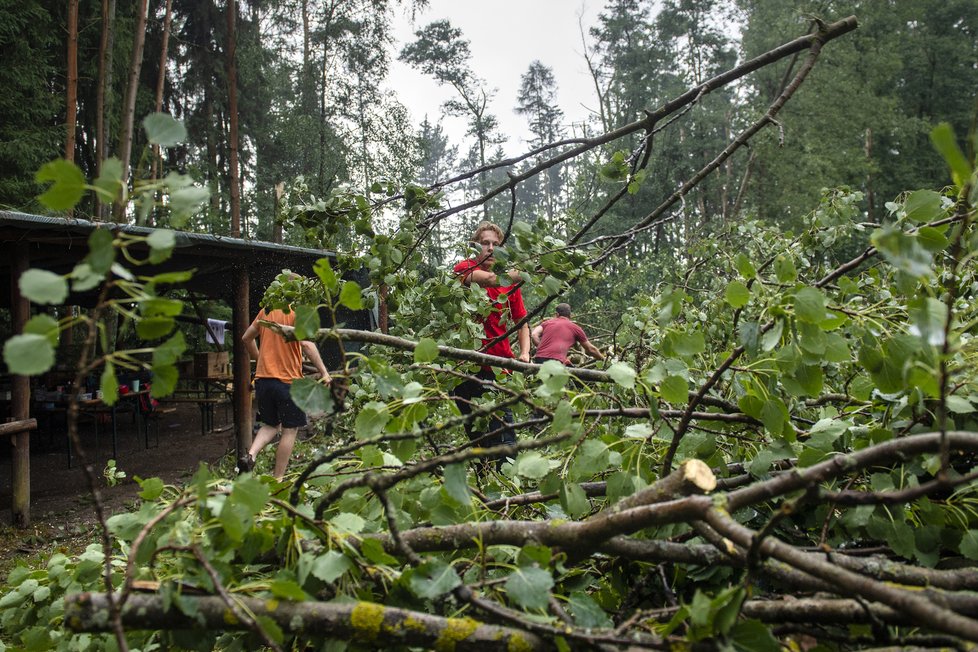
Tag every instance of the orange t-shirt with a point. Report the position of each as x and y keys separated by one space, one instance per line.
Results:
x=277 y=358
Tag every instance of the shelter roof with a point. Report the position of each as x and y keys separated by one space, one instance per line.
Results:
x=57 y=244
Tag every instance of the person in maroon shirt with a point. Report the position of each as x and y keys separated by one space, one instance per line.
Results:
x=554 y=338
x=507 y=309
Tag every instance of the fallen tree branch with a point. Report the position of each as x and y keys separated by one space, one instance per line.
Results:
x=362 y=622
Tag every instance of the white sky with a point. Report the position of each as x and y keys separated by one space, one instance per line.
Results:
x=505 y=36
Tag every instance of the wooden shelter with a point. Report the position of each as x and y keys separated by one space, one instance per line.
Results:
x=233 y=270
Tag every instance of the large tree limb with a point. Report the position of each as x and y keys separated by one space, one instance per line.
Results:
x=363 y=622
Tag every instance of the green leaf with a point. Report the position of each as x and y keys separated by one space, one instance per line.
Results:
x=287 y=590
x=160 y=307
x=622 y=374
x=186 y=201
x=784 y=269
x=903 y=251
x=737 y=294
x=109 y=385
x=942 y=136
x=153 y=328
x=373 y=550
x=456 y=484
x=529 y=587
x=350 y=295
x=250 y=493
x=109 y=182
x=331 y=566
x=554 y=376
x=164 y=130
x=923 y=206
x=306 y=322
x=44 y=287
x=674 y=389
x=46 y=325
x=169 y=351
x=347 y=523
x=326 y=274
x=532 y=465
x=101 y=251
x=152 y=488
x=959 y=405
x=931 y=239
x=688 y=344
x=164 y=380
x=586 y=612
x=371 y=420
x=161 y=243
x=433 y=578
x=810 y=305
x=969 y=544
x=426 y=350
x=29 y=354
x=574 y=500
x=68 y=186
x=311 y=396
x=744 y=267
x=753 y=636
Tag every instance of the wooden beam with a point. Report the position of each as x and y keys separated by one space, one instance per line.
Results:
x=17 y=427
x=241 y=365
x=20 y=403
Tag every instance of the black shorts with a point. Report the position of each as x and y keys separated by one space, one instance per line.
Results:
x=275 y=404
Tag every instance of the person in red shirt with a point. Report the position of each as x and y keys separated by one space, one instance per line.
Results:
x=279 y=363
x=555 y=337
x=507 y=309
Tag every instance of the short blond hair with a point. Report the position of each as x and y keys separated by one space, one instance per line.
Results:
x=486 y=226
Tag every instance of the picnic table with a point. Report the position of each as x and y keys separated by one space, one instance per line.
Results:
x=206 y=392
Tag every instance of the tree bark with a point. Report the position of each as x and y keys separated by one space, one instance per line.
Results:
x=232 y=73
x=364 y=622
x=104 y=95
x=71 y=91
x=161 y=81
x=20 y=404
x=129 y=110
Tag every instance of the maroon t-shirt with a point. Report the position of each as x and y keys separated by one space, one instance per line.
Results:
x=497 y=322
x=559 y=335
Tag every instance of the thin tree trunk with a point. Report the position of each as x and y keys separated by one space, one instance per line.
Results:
x=71 y=92
x=161 y=80
x=233 y=122
x=870 y=196
x=104 y=95
x=129 y=110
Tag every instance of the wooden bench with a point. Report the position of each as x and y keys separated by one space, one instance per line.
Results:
x=154 y=418
x=206 y=406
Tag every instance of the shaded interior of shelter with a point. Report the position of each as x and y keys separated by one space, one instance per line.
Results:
x=218 y=264
x=62 y=492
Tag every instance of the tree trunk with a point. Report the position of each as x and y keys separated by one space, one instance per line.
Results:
x=161 y=81
x=104 y=95
x=129 y=109
x=71 y=91
x=232 y=72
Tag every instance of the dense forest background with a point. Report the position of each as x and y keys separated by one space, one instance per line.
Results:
x=310 y=82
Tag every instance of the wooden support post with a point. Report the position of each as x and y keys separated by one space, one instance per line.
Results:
x=20 y=404
x=241 y=367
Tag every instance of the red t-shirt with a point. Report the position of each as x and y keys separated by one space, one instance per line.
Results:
x=497 y=322
x=559 y=335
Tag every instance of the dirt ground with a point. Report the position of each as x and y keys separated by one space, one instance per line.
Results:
x=62 y=512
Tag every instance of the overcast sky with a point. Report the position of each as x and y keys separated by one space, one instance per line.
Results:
x=505 y=37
